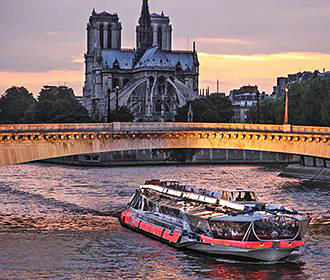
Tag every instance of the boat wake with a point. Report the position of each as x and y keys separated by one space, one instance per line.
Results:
x=320 y=224
x=293 y=259
x=233 y=261
x=22 y=210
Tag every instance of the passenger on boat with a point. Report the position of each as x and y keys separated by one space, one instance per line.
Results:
x=247 y=196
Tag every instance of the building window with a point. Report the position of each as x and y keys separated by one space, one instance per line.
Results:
x=102 y=36
x=160 y=37
x=109 y=37
x=158 y=106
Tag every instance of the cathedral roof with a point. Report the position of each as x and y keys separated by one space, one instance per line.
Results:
x=154 y=57
x=186 y=59
x=125 y=58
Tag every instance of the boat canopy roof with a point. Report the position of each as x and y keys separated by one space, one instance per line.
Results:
x=236 y=195
x=242 y=218
x=205 y=204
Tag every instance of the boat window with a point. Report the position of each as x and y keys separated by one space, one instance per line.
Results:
x=176 y=213
x=149 y=205
x=229 y=230
x=225 y=195
x=244 y=196
x=135 y=200
x=278 y=228
x=200 y=226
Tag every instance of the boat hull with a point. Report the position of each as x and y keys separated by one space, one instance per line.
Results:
x=267 y=255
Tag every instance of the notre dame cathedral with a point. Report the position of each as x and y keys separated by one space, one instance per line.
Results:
x=152 y=80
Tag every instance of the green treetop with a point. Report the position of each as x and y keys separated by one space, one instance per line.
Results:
x=14 y=103
x=211 y=109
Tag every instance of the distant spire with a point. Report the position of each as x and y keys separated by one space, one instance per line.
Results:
x=144 y=29
x=145 y=19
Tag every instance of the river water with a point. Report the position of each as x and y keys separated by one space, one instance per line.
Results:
x=59 y=222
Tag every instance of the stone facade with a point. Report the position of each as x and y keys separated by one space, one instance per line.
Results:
x=152 y=81
x=243 y=100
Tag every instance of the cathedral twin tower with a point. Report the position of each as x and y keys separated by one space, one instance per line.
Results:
x=153 y=81
x=104 y=31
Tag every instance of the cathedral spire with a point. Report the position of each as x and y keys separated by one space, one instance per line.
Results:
x=145 y=14
x=144 y=29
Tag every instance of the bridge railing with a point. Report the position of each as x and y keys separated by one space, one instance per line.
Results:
x=169 y=126
x=220 y=126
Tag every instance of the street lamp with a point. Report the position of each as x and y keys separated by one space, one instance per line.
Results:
x=109 y=108
x=286 y=114
x=117 y=103
x=258 y=107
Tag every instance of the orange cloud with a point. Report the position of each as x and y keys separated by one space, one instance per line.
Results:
x=237 y=70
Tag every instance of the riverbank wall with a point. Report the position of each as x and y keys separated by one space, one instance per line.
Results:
x=309 y=168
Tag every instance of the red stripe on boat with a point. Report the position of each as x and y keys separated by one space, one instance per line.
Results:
x=157 y=231
x=239 y=244
x=174 y=238
x=123 y=216
x=127 y=217
x=137 y=223
x=288 y=245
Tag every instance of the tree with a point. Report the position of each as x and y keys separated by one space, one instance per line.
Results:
x=124 y=113
x=309 y=104
x=57 y=105
x=208 y=109
x=271 y=112
x=14 y=103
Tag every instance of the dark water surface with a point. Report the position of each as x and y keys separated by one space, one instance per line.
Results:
x=59 y=222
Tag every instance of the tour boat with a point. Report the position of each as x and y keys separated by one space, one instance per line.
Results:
x=230 y=223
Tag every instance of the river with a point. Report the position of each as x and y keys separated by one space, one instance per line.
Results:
x=59 y=222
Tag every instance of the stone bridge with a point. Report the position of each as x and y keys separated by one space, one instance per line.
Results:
x=25 y=143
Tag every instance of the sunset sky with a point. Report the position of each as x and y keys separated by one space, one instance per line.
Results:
x=239 y=42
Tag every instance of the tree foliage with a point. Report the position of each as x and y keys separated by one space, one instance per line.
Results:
x=124 y=114
x=212 y=109
x=271 y=112
x=57 y=105
x=14 y=103
x=309 y=104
